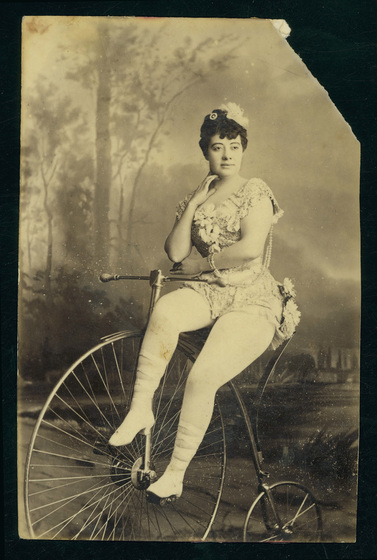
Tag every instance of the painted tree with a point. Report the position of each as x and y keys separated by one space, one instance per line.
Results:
x=74 y=205
x=52 y=128
x=154 y=79
x=134 y=79
x=93 y=65
x=30 y=216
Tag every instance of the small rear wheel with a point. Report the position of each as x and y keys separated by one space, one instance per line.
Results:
x=290 y=514
x=78 y=487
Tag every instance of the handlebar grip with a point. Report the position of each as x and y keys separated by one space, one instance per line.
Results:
x=105 y=277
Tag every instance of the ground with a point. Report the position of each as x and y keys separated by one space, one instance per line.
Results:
x=291 y=416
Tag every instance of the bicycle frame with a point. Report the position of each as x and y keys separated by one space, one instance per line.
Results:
x=77 y=485
x=157 y=280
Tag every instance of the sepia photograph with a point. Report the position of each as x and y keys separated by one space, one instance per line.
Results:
x=189 y=286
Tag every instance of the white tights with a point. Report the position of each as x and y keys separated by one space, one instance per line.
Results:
x=235 y=340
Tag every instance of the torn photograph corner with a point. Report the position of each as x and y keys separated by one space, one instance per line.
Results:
x=188 y=314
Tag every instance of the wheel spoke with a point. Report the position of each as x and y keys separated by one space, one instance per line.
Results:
x=127 y=492
x=105 y=386
x=94 y=401
x=118 y=371
x=93 y=489
x=160 y=442
x=297 y=518
x=178 y=387
x=81 y=488
x=291 y=521
x=83 y=441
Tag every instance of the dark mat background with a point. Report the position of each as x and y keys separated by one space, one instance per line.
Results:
x=337 y=40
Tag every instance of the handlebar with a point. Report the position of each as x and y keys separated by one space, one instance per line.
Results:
x=154 y=276
x=105 y=277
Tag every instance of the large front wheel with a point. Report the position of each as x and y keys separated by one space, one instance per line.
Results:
x=288 y=513
x=79 y=487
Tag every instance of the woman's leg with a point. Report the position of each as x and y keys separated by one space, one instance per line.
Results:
x=235 y=341
x=179 y=311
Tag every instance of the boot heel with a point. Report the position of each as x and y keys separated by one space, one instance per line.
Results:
x=146 y=431
x=127 y=431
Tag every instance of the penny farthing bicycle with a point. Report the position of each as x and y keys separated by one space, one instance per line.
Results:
x=78 y=487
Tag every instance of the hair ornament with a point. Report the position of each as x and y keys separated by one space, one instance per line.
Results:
x=213 y=116
x=235 y=113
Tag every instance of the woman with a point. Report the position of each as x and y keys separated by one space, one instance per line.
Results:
x=227 y=219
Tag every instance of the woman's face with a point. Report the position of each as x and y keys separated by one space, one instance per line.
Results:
x=224 y=156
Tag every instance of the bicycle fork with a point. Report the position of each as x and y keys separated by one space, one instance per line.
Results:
x=142 y=472
x=261 y=474
x=146 y=473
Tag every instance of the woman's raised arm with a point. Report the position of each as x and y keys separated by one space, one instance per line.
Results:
x=178 y=243
x=254 y=230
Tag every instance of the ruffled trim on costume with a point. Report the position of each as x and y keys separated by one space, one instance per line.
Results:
x=251 y=193
x=268 y=298
x=247 y=196
x=216 y=227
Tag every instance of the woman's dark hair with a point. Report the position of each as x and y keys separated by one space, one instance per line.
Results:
x=218 y=123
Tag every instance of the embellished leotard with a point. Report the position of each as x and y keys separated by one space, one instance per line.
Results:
x=249 y=287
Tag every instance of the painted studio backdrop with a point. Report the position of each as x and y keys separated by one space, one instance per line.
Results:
x=111 y=112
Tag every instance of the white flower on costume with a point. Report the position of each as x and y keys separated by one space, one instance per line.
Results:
x=208 y=230
x=291 y=316
x=288 y=288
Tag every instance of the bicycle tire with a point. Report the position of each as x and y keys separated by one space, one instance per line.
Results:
x=77 y=487
x=294 y=517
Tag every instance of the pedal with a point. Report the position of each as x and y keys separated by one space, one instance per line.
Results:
x=169 y=500
x=154 y=499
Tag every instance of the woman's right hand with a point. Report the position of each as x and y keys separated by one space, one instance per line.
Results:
x=204 y=190
x=178 y=244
